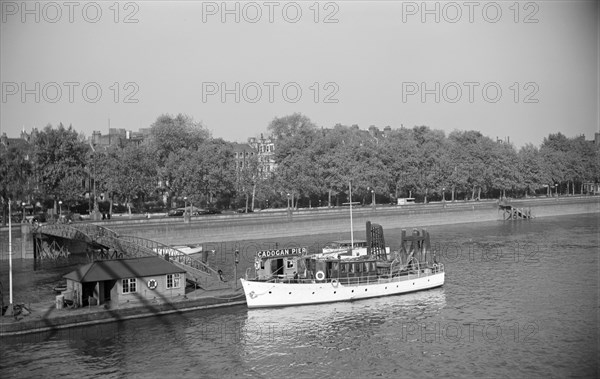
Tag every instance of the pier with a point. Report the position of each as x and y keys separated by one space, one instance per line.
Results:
x=513 y=213
x=98 y=243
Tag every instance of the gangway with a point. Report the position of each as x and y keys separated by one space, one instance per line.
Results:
x=512 y=213
x=111 y=246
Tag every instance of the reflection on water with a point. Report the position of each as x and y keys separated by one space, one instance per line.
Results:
x=338 y=334
x=277 y=326
x=520 y=300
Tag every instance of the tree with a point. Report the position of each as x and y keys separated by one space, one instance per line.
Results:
x=430 y=145
x=294 y=135
x=59 y=159
x=530 y=168
x=170 y=134
x=15 y=172
x=554 y=153
x=399 y=155
x=135 y=175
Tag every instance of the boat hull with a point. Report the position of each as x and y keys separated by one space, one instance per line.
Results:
x=260 y=294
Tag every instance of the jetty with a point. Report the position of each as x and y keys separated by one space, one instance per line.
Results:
x=513 y=213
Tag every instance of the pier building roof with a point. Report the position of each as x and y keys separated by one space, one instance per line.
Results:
x=122 y=268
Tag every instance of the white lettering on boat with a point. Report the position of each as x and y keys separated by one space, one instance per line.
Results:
x=280 y=252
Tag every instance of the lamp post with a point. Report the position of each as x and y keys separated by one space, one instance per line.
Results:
x=95 y=212
x=10 y=310
x=23 y=219
x=288 y=203
x=186 y=215
x=236 y=260
x=95 y=198
x=373 y=199
x=59 y=209
x=444 y=194
x=556 y=189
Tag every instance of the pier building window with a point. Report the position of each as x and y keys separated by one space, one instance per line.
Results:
x=129 y=285
x=173 y=281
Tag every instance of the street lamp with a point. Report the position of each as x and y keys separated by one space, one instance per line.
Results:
x=556 y=189
x=288 y=199
x=373 y=198
x=94 y=180
x=444 y=194
x=236 y=260
x=59 y=209
x=23 y=205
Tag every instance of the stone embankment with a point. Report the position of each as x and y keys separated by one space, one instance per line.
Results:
x=277 y=224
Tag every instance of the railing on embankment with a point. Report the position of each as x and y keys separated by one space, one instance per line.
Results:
x=209 y=229
x=236 y=227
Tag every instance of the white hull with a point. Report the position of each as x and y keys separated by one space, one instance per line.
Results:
x=260 y=294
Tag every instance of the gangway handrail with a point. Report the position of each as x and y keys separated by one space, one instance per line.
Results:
x=172 y=252
x=129 y=245
x=63 y=230
x=95 y=230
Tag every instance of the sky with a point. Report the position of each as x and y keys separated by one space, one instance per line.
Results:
x=516 y=70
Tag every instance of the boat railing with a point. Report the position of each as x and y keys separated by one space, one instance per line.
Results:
x=356 y=280
x=437 y=268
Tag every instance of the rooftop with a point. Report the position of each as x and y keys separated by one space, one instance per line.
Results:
x=122 y=268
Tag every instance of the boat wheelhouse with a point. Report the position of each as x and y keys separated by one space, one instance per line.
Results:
x=345 y=249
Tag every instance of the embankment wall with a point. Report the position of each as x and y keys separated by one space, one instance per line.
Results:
x=223 y=228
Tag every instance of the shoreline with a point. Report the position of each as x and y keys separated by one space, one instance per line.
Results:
x=45 y=317
x=279 y=223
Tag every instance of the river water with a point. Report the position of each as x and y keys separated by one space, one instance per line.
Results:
x=520 y=300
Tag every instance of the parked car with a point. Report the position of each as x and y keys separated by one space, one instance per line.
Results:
x=213 y=211
x=176 y=212
x=69 y=217
x=36 y=218
x=244 y=210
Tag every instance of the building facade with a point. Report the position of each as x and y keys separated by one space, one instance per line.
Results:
x=125 y=281
x=265 y=148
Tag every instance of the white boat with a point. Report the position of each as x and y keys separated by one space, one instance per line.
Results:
x=287 y=277
x=188 y=249
x=175 y=249
x=284 y=277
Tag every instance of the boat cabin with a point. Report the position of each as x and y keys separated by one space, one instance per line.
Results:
x=344 y=249
x=279 y=263
x=346 y=271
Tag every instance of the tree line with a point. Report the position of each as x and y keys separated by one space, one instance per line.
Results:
x=181 y=160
